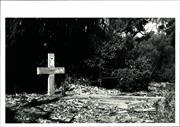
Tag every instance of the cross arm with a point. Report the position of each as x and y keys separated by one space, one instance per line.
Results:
x=50 y=70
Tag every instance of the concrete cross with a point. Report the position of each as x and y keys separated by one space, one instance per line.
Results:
x=51 y=70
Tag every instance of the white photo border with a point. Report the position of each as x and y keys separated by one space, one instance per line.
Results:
x=113 y=9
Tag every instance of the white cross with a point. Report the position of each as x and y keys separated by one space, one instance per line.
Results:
x=51 y=70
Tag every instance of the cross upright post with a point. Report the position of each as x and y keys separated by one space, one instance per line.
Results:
x=51 y=70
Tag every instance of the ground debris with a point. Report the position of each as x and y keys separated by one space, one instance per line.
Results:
x=83 y=104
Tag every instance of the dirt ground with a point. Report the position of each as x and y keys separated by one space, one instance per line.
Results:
x=83 y=104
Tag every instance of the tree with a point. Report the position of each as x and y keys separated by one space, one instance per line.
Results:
x=135 y=60
x=90 y=47
x=28 y=40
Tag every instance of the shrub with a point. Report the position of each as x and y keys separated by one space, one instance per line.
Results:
x=132 y=79
x=165 y=108
x=136 y=77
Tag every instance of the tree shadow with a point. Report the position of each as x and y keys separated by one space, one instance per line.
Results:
x=34 y=116
x=10 y=116
x=35 y=102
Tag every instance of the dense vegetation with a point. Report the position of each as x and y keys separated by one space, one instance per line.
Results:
x=90 y=48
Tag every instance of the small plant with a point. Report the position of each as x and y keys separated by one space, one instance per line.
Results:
x=165 y=108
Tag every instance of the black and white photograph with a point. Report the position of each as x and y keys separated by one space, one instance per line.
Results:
x=90 y=70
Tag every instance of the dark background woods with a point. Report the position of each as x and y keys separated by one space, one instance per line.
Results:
x=90 y=48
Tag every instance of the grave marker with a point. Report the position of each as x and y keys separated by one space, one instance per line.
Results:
x=51 y=70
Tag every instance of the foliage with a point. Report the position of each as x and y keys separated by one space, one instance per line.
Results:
x=90 y=48
x=136 y=77
x=136 y=60
x=165 y=108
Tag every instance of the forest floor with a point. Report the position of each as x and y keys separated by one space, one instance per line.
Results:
x=86 y=104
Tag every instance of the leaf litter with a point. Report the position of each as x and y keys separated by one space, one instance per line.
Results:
x=71 y=109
